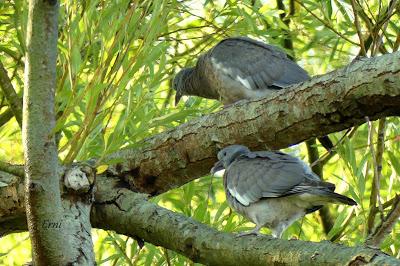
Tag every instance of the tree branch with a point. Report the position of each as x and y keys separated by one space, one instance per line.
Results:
x=355 y=8
x=325 y=104
x=17 y=170
x=313 y=156
x=326 y=24
x=376 y=238
x=141 y=219
x=377 y=157
x=6 y=116
x=12 y=205
x=13 y=100
x=126 y=212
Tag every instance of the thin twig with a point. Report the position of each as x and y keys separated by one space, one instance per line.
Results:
x=329 y=154
x=120 y=249
x=327 y=24
x=376 y=238
x=382 y=25
x=358 y=27
x=339 y=234
x=166 y=255
x=377 y=163
x=387 y=204
x=324 y=214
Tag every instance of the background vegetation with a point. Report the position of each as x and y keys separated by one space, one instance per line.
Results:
x=115 y=65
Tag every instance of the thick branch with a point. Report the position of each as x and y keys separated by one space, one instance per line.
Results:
x=325 y=104
x=131 y=214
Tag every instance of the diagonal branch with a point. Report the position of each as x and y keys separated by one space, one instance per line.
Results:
x=13 y=100
x=376 y=238
x=6 y=116
x=326 y=24
x=325 y=104
x=139 y=218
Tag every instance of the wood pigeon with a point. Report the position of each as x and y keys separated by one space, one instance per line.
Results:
x=240 y=68
x=272 y=188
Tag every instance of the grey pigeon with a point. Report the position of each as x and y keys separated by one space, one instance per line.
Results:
x=272 y=188
x=240 y=68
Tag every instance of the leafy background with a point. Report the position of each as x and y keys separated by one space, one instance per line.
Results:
x=115 y=65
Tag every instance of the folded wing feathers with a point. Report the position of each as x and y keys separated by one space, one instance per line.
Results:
x=249 y=59
x=274 y=174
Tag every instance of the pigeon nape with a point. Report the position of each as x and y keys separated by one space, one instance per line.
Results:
x=271 y=188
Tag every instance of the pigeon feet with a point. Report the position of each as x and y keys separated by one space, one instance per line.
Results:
x=255 y=231
x=249 y=233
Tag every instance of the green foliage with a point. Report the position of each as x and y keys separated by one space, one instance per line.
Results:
x=115 y=64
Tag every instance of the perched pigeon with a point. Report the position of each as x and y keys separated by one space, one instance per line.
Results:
x=240 y=68
x=272 y=188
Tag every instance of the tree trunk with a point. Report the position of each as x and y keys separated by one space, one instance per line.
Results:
x=59 y=228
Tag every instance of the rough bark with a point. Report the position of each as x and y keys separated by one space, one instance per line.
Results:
x=141 y=219
x=325 y=104
x=58 y=221
x=12 y=205
x=126 y=212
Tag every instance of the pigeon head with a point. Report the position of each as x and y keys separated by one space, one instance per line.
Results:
x=180 y=82
x=228 y=154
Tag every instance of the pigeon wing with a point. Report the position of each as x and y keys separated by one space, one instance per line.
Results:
x=267 y=175
x=255 y=64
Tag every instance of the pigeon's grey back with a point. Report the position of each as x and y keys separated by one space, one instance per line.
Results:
x=272 y=174
x=267 y=174
x=240 y=68
x=260 y=64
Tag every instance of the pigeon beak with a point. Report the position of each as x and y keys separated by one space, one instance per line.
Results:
x=177 y=98
x=218 y=166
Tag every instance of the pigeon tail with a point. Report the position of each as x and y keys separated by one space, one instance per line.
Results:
x=338 y=198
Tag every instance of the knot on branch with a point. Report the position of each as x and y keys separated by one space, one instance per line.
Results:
x=80 y=178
